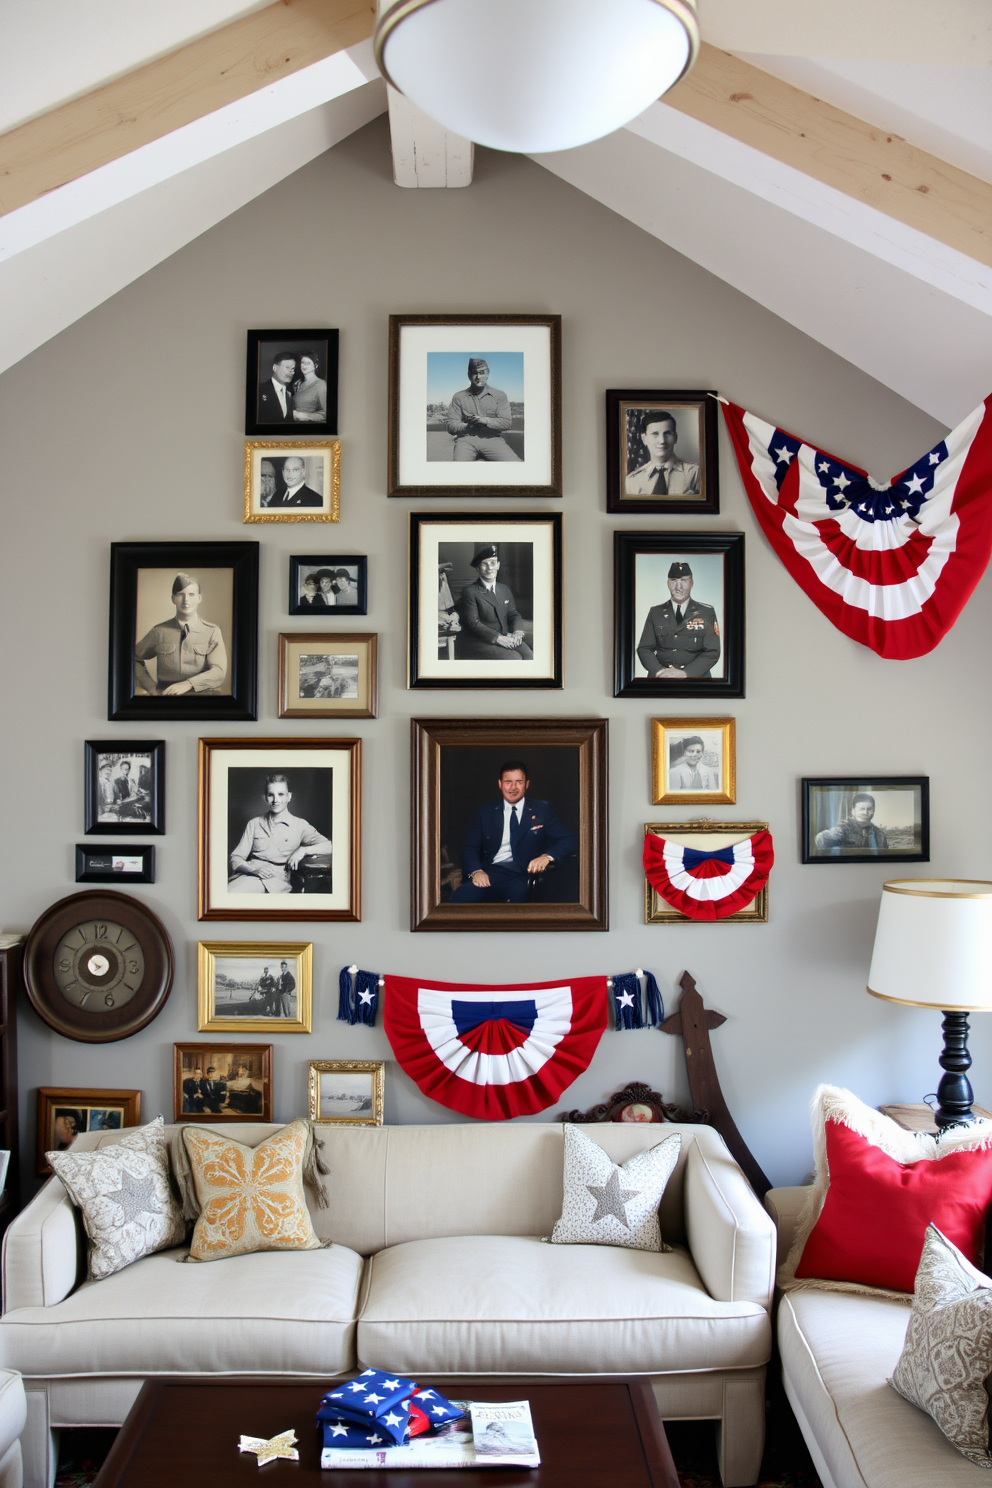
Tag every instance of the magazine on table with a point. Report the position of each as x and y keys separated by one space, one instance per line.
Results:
x=487 y=1435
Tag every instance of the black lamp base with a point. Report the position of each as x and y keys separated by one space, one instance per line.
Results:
x=954 y=1093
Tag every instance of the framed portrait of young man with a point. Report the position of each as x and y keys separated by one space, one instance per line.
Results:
x=662 y=453
x=475 y=405
x=290 y=480
x=693 y=761
x=292 y=382
x=866 y=819
x=509 y=824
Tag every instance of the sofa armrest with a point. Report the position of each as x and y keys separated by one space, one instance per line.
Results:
x=41 y=1251
x=731 y=1238
x=785 y=1206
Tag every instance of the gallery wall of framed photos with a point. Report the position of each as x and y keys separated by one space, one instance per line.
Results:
x=132 y=462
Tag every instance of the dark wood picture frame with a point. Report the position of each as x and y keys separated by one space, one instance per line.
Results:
x=298 y=561
x=399 y=487
x=95 y=864
x=870 y=785
x=628 y=547
x=219 y=1046
x=126 y=559
x=622 y=404
x=325 y=343
x=366 y=646
x=53 y=1097
x=429 y=737
x=92 y=825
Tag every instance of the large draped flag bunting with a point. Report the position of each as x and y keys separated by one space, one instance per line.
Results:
x=891 y=565
x=708 y=883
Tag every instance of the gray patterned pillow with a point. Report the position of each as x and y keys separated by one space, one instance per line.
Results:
x=608 y=1204
x=125 y=1193
x=947 y=1357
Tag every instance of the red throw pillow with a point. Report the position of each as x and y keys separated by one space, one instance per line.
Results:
x=874 y=1218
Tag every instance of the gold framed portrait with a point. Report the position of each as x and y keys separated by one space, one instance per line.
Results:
x=292 y=480
x=346 y=1092
x=704 y=835
x=693 y=761
x=250 y=986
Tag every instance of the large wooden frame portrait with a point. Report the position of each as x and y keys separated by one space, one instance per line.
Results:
x=704 y=835
x=304 y=366
x=280 y=829
x=183 y=630
x=475 y=405
x=221 y=1082
x=662 y=452
x=866 y=819
x=459 y=818
x=485 y=600
x=65 y=1111
x=679 y=614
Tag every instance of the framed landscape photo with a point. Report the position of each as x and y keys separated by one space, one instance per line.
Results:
x=485 y=600
x=704 y=836
x=475 y=405
x=323 y=588
x=64 y=1112
x=115 y=862
x=280 y=829
x=862 y=819
x=183 y=630
x=292 y=382
x=679 y=614
x=693 y=761
x=124 y=787
x=254 y=987
x=538 y=783
x=327 y=676
x=288 y=480
x=222 y=1082
x=346 y=1092
x=662 y=453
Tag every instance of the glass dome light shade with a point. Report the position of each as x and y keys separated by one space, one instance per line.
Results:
x=535 y=75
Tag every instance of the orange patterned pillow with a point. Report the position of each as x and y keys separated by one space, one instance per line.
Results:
x=250 y=1198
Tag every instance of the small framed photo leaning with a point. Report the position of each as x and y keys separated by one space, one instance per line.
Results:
x=124 y=787
x=475 y=405
x=485 y=600
x=115 y=862
x=326 y=587
x=704 y=836
x=222 y=1082
x=693 y=761
x=346 y=1092
x=255 y=987
x=183 y=630
x=280 y=829
x=292 y=382
x=662 y=452
x=64 y=1112
x=327 y=676
x=679 y=614
x=289 y=480
x=862 y=819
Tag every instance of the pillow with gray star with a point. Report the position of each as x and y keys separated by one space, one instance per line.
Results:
x=126 y=1197
x=606 y=1203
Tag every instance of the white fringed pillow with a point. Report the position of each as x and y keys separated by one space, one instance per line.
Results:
x=606 y=1203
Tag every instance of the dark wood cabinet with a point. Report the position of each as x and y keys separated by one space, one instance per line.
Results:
x=10 y=983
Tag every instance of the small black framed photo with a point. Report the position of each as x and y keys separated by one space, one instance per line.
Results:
x=662 y=452
x=679 y=614
x=124 y=786
x=183 y=630
x=862 y=819
x=323 y=587
x=292 y=384
x=115 y=862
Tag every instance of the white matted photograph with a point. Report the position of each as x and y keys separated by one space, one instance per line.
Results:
x=347 y=1092
x=289 y=480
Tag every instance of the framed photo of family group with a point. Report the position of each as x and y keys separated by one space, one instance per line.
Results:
x=124 y=787
x=325 y=587
x=222 y=1082
x=64 y=1112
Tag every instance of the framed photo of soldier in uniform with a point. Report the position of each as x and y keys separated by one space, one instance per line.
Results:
x=254 y=986
x=866 y=819
x=679 y=614
x=662 y=452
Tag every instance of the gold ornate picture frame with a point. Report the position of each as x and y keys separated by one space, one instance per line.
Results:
x=704 y=834
x=346 y=1092
x=292 y=480
x=250 y=986
x=693 y=761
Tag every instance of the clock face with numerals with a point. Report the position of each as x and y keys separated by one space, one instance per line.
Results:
x=98 y=966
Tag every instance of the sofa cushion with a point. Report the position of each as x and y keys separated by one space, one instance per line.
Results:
x=289 y=1312
x=249 y=1199
x=608 y=1203
x=508 y=1304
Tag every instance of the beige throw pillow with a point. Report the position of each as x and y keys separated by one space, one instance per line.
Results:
x=606 y=1203
x=250 y=1198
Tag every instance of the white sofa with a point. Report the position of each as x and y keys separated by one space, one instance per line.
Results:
x=837 y=1351
x=436 y=1268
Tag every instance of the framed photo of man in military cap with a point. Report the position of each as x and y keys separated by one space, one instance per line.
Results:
x=662 y=451
x=679 y=607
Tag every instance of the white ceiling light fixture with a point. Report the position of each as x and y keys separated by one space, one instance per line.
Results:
x=535 y=75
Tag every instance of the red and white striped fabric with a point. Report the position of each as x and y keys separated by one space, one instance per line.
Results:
x=891 y=565
x=708 y=883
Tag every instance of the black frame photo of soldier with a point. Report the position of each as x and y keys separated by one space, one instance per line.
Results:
x=255 y=987
x=328 y=676
x=693 y=761
x=280 y=829
x=475 y=405
x=222 y=1082
x=509 y=824
x=124 y=787
x=183 y=630
x=679 y=614
x=485 y=600
x=662 y=451
x=866 y=819
x=290 y=480
x=64 y=1112
x=292 y=382
x=324 y=588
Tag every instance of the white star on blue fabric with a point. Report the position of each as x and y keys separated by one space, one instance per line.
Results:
x=438 y=1410
x=914 y=486
x=373 y=1397
x=625 y=1000
x=389 y=1385
x=366 y=1372
x=841 y=482
x=365 y=996
x=824 y=467
x=357 y=1387
x=339 y=1430
x=393 y=1419
x=934 y=457
x=424 y=1394
x=374 y=1441
x=783 y=455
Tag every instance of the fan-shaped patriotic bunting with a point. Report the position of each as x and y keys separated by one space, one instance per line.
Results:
x=891 y=565
x=711 y=883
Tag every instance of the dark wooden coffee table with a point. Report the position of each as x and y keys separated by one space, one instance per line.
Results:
x=591 y=1433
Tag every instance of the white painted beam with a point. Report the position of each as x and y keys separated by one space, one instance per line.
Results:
x=424 y=152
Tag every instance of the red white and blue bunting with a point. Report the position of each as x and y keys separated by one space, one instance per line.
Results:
x=708 y=883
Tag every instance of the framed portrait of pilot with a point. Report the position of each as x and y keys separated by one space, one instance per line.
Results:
x=292 y=382
x=280 y=829
x=509 y=824
x=866 y=819
x=662 y=452
x=679 y=614
x=183 y=630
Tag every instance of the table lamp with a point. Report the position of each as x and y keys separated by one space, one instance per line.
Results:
x=933 y=948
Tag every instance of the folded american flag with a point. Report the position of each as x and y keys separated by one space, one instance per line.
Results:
x=378 y=1409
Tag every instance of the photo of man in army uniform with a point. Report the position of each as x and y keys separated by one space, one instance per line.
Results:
x=188 y=653
x=856 y=832
x=681 y=638
x=662 y=473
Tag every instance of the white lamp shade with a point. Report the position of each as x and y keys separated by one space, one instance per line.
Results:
x=933 y=944
x=535 y=75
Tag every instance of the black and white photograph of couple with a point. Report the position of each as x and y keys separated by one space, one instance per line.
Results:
x=292 y=381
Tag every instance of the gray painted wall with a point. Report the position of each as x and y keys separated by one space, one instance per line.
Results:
x=129 y=426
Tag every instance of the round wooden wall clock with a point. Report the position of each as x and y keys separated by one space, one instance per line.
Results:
x=98 y=966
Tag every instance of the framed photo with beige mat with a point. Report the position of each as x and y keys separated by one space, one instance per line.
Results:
x=324 y=675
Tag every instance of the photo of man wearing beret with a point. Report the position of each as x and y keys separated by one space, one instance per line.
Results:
x=681 y=638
